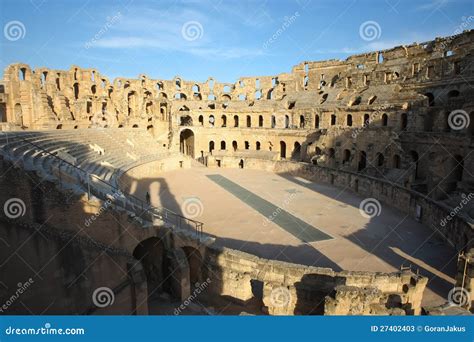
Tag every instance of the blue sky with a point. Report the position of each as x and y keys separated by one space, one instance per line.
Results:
x=226 y=38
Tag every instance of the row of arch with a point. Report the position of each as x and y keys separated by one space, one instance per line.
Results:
x=285 y=122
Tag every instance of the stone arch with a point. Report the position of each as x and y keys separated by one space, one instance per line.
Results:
x=195 y=262
x=186 y=142
x=151 y=254
x=282 y=150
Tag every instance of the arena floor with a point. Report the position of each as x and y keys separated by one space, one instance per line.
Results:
x=294 y=220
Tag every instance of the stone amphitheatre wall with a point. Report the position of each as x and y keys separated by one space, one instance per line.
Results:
x=69 y=246
x=282 y=288
x=383 y=113
x=69 y=255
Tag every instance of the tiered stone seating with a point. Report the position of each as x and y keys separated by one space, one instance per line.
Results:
x=102 y=152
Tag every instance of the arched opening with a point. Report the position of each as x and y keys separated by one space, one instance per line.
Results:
x=346 y=156
x=186 y=120
x=431 y=99
x=236 y=121
x=384 y=120
x=316 y=121
x=60 y=126
x=366 y=120
x=257 y=145
x=195 y=262
x=302 y=122
x=396 y=161
x=414 y=162
x=260 y=121
x=456 y=164
x=380 y=159
x=18 y=114
x=132 y=103
x=282 y=150
x=151 y=254
x=362 y=161
x=135 y=126
x=296 y=155
x=186 y=140
x=471 y=123
x=75 y=87
x=287 y=121
x=247 y=145
x=201 y=120
x=223 y=145
x=234 y=145
x=249 y=121
x=94 y=89
x=224 y=120
x=403 y=121
x=211 y=146
x=241 y=163
x=349 y=120
x=452 y=94
x=3 y=112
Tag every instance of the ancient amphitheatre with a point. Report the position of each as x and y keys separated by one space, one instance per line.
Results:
x=339 y=187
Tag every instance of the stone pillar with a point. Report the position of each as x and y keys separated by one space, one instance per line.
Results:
x=463 y=293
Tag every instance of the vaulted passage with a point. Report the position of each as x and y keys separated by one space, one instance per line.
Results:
x=186 y=142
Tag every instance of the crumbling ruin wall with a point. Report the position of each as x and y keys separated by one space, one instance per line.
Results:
x=69 y=246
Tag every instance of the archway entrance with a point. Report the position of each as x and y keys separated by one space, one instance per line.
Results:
x=186 y=142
